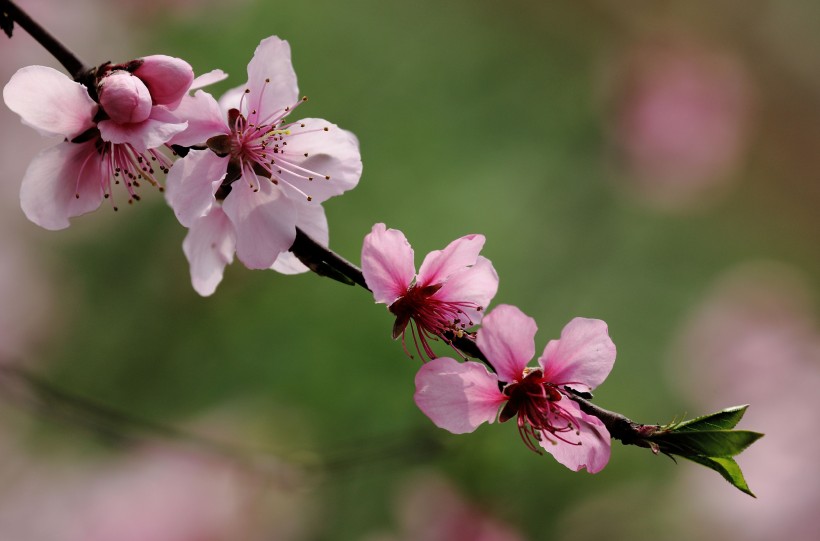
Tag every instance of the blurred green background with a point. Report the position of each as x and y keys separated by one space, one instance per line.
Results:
x=500 y=118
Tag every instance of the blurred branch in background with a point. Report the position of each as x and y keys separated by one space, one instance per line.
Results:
x=32 y=393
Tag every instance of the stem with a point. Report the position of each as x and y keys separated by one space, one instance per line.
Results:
x=619 y=426
x=325 y=262
x=27 y=390
x=70 y=62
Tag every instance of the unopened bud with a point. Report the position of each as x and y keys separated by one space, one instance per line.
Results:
x=167 y=78
x=124 y=97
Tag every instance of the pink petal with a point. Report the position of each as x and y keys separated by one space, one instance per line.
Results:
x=159 y=129
x=192 y=183
x=440 y=264
x=595 y=443
x=50 y=102
x=387 y=263
x=55 y=178
x=457 y=396
x=124 y=97
x=507 y=338
x=265 y=220
x=582 y=358
x=209 y=246
x=271 y=80
x=167 y=78
x=231 y=99
x=310 y=219
x=207 y=79
x=204 y=117
x=477 y=284
x=333 y=153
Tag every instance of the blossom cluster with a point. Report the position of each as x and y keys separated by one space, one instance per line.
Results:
x=243 y=177
x=444 y=300
x=249 y=176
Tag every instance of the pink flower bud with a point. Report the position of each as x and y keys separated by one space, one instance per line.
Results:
x=167 y=78
x=124 y=97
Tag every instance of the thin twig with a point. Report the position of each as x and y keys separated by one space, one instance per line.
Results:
x=75 y=67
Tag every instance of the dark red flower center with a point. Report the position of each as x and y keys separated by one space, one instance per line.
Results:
x=429 y=316
x=537 y=403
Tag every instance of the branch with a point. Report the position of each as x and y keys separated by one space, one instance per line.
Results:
x=325 y=262
x=10 y=14
x=29 y=391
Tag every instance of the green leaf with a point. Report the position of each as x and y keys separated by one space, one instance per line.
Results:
x=711 y=443
x=727 y=467
x=720 y=420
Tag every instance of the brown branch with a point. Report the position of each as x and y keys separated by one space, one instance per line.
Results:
x=10 y=14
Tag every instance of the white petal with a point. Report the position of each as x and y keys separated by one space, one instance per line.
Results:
x=312 y=220
x=54 y=180
x=271 y=80
x=50 y=102
x=312 y=152
x=192 y=183
x=264 y=218
x=209 y=246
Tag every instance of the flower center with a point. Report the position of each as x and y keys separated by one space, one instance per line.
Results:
x=257 y=147
x=119 y=164
x=429 y=316
x=537 y=403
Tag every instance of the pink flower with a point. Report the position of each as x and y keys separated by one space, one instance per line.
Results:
x=449 y=293
x=681 y=121
x=118 y=142
x=460 y=396
x=138 y=98
x=261 y=176
x=431 y=509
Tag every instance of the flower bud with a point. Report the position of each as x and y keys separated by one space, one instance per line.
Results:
x=167 y=78
x=124 y=97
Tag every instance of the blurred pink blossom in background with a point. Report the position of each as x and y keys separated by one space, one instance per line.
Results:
x=154 y=494
x=680 y=120
x=429 y=508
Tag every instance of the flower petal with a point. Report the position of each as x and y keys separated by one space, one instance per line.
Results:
x=582 y=358
x=154 y=132
x=231 y=99
x=50 y=102
x=477 y=284
x=204 y=117
x=209 y=246
x=264 y=218
x=507 y=338
x=595 y=443
x=457 y=396
x=207 y=79
x=312 y=220
x=271 y=80
x=61 y=182
x=387 y=263
x=192 y=183
x=168 y=78
x=440 y=264
x=315 y=153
